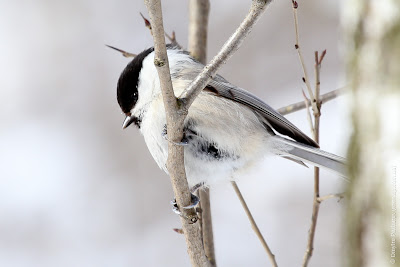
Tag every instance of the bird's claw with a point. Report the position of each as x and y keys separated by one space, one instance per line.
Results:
x=194 y=202
x=183 y=142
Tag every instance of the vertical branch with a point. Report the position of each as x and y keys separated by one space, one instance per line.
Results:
x=316 y=107
x=317 y=201
x=175 y=119
x=198 y=30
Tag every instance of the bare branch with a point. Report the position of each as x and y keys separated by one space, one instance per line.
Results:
x=198 y=27
x=175 y=162
x=124 y=53
x=302 y=105
x=198 y=48
x=254 y=224
x=301 y=59
x=316 y=202
x=146 y=23
x=172 y=38
x=306 y=101
x=257 y=9
x=198 y=30
x=323 y=198
x=177 y=113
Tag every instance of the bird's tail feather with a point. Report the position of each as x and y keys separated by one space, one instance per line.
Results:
x=312 y=155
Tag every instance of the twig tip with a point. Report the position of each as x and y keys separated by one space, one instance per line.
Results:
x=146 y=21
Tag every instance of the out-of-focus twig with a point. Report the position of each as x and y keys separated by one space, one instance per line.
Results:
x=323 y=198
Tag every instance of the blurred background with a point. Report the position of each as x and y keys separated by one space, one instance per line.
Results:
x=77 y=190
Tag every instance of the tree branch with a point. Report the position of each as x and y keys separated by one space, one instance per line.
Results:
x=175 y=119
x=257 y=9
x=316 y=202
x=198 y=29
x=254 y=224
x=301 y=59
x=176 y=112
x=339 y=196
x=302 y=105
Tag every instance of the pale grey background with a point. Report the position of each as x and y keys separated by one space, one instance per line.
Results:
x=76 y=190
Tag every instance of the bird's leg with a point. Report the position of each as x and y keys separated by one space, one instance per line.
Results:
x=194 y=200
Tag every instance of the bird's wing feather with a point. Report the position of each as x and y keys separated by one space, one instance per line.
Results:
x=220 y=87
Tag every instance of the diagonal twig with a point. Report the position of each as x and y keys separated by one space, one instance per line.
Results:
x=196 y=86
x=124 y=53
x=254 y=224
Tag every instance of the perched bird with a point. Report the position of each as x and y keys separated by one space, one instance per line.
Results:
x=227 y=129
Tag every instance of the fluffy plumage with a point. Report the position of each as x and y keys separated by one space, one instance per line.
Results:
x=227 y=128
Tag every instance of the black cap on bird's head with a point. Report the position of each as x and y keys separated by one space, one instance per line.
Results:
x=127 y=88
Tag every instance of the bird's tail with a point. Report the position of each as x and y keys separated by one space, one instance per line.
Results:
x=301 y=152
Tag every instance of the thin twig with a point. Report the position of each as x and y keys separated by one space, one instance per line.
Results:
x=323 y=198
x=197 y=85
x=306 y=101
x=302 y=105
x=316 y=107
x=124 y=53
x=254 y=224
x=299 y=53
x=146 y=23
x=316 y=202
x=171 y=38
x=198 y=30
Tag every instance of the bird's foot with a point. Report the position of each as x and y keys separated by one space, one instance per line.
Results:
x=183 y=142
x=194 y=202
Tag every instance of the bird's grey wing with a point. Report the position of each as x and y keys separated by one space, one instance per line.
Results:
x=220 y=87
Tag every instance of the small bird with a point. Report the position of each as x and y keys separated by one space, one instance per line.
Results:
x=227 y=129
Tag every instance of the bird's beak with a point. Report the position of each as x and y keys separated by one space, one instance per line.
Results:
x=128 y=120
